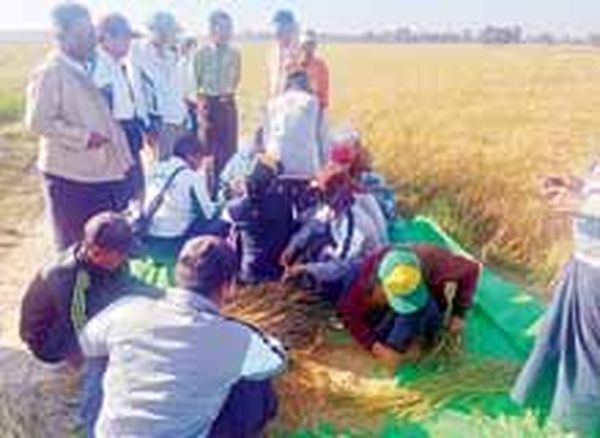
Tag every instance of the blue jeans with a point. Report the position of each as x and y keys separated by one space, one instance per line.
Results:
x=404 y=329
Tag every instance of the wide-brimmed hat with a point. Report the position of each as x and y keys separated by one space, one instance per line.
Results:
x=401 y=278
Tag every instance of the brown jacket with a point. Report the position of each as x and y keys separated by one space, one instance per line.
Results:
x=64 y=107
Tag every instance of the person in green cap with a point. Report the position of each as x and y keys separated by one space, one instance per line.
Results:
x=394 y=301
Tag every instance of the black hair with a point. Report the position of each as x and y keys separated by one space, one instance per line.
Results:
x=188 y=145
x=218 y=16
x=66 y=14
x=299 y=80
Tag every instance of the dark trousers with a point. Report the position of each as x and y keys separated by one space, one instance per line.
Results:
x=222 y=130
x=247 y=412
x=70 y=204
x=135 y=139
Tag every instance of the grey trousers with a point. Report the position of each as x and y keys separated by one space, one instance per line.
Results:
x=168 y=134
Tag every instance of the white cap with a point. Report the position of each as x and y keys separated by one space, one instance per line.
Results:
x=308 y=36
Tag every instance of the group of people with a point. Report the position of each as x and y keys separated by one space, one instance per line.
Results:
x=293 y=205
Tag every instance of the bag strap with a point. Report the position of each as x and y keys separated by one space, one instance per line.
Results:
x=158 y=200
x=348 y=240
x=78 y=300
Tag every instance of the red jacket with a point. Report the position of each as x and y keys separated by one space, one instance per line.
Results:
x=439 y=267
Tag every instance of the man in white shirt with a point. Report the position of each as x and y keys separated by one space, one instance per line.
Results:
x=120 y=84
x=176 y=367
x=294 y=129
x=285 y=57
x=160 y=69
x=186 y=209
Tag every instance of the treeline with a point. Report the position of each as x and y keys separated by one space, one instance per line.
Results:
x=488 y=35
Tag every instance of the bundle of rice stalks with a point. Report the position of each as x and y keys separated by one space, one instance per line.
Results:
x=313 y=392
x=295 y=317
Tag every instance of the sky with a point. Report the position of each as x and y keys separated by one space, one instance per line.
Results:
x=560 y=16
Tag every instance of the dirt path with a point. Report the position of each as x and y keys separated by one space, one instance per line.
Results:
x=35 y=400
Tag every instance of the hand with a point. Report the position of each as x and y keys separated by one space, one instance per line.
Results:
x=287 y=258
x=96 y=140
x=565 y=201
x=456 y=325
x=299 y=276
x=389 y=357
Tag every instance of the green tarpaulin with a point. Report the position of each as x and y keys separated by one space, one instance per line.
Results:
x=501 y=327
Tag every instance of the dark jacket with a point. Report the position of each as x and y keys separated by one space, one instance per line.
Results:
x=264 y=225
x=439 y=266
x=48 y=309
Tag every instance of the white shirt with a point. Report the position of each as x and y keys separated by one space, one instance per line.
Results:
x=172 y=363
x=116 y=78
x=365 y=237
x=187 y=192
x=294 y=133
x=161 y=82
x=282 y=61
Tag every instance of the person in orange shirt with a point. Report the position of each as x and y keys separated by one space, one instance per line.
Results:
x=315 y=67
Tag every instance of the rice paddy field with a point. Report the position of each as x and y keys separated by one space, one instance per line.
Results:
x=463 y=133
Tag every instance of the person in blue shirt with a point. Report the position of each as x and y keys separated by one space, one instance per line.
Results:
x=177 y=367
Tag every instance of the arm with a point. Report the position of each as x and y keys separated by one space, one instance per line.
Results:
x=237 y=70
x=324 y=86
x=43 y=326
x=44 y=113
x=353 y=310
x=94 y=336
x=201 y=195
x=442 y=267
x=265 y=357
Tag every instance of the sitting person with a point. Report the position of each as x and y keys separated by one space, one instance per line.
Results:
x=396 y=297
x=176 y=367
x=231 y=180
x=78 y=284
x=347 y=151
x=84 y=279
x=184 y=207
x=262 y=217
x=294 y=132
x=338 y=229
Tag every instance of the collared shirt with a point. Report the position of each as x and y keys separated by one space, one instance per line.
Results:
x=218 y=70
x=318 y=73
x=186 y=200
x=115 y=78
x=76 y=65
x=283 y=61
x=294 y=133
x=172 y=363
x=162 y=85
x=586 y=225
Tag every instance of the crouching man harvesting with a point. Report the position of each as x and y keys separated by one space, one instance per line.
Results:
x=393 y=302
x=176 y=367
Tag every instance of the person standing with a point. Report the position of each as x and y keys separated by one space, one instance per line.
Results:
x=294 y=131
x=561 y=377
x=176 y=366
x=315 y=67
x=160 y=69
x=84 y=157
x=218 y=73
x=114 y=75
x=285 y=55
